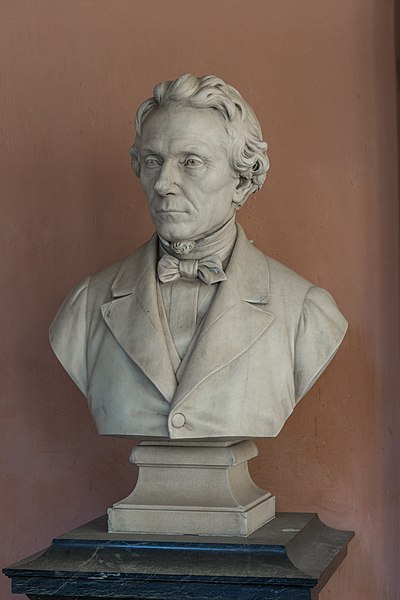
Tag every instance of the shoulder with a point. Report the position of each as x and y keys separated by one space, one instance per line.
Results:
x=290 y=291
x=254 y=264
x=310 y=318
x=100 y=284
x=93 y=287
x=120 y=277
x=286 y=282
x=287 y=285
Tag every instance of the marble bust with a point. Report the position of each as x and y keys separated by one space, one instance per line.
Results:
x=196 y=335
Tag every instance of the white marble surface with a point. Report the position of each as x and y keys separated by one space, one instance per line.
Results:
x=193 y=489
x=266 y=334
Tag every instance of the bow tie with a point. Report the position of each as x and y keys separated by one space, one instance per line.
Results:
x=209 y=270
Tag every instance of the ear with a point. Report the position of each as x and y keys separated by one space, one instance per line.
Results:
x=244 y=188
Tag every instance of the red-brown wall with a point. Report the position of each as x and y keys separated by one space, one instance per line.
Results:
x=321 y=77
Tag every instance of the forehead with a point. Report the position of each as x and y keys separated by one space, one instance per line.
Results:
x=177 y=128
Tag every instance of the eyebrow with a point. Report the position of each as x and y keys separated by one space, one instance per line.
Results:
x=148 y=149
x=199 y=150
x=194 y=149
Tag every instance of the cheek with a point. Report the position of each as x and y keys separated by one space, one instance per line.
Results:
x=218 y=181
x=142 y=181
x=146 y=183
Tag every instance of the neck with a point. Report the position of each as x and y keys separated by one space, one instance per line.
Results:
x=219 y=242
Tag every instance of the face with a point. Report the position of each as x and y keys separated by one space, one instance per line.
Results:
x=185 y=172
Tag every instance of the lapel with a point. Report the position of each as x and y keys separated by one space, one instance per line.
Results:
x=134 y=320
x=236 y=319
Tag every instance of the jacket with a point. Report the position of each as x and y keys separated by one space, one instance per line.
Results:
x=267 y=337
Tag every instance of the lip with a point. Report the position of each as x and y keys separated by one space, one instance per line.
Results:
x=169 y=212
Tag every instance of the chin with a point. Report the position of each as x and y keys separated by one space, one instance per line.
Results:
x=175 y=234
x=176 y=237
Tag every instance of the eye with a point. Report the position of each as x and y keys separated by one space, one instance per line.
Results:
x=152 y=162
x=192 y=162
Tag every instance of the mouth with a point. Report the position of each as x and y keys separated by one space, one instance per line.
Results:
x=169 y=212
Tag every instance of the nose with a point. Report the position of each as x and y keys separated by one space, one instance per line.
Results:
x=167 y=180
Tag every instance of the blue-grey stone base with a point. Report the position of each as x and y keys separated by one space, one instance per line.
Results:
x=289 y=558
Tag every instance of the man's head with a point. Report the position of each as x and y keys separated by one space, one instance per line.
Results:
x=199 y=154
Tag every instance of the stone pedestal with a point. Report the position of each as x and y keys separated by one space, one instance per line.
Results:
x=290 y=558
x=193 y=488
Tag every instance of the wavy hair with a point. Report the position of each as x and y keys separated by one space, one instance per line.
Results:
x=248 y=152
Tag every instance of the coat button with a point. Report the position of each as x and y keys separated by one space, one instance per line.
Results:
x=178 y=420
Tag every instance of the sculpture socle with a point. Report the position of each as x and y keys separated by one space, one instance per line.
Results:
x=196 y=335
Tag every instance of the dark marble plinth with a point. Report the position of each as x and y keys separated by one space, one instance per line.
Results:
x=289 y=558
